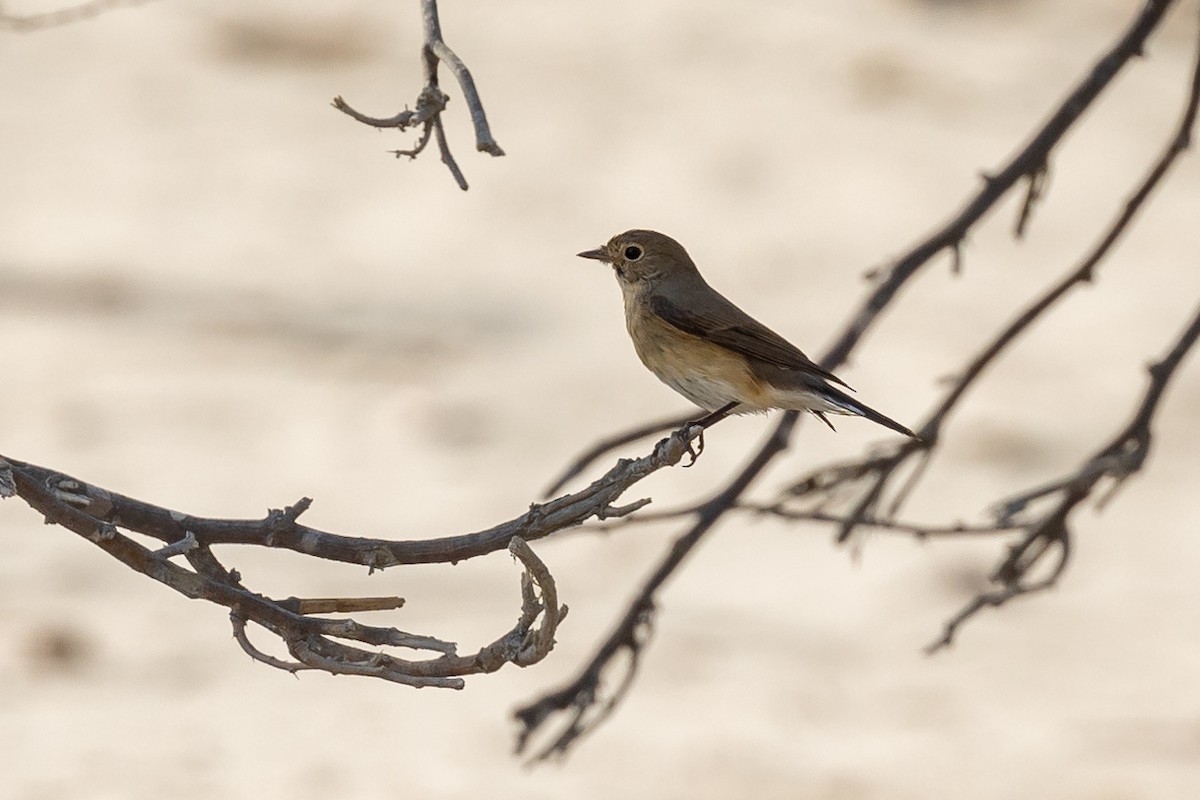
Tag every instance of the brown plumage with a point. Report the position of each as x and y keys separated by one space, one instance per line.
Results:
x=709 y=350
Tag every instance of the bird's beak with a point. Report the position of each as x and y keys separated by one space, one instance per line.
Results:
x=597 y=255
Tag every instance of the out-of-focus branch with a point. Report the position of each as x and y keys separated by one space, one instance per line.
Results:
x=781 y=510
x=431 y=102
x=1030 y=164
x=872 y=475
x=1048 y=534
x=23 y=23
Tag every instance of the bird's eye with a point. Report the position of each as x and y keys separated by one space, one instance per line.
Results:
x=633 y=252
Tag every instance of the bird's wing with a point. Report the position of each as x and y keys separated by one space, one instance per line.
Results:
x=722 y=323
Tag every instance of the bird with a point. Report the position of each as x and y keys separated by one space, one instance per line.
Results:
x=709 y=350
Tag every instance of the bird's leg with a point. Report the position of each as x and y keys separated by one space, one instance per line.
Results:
x=704 y=422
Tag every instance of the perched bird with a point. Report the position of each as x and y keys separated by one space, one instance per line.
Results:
x=708 y=349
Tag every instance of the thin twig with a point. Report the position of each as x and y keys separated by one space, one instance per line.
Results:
x=281 y=529
x=432 y=100
x=573 y=706
x=606 y=446
x=1121 y=458
x=24 y=23
x=917 y=530
x=1032 y=159
x=781 y=510
x=243 y=639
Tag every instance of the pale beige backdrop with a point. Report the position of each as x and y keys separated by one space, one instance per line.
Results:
x=218 y=293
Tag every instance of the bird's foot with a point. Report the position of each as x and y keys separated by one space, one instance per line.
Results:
x=693 y=432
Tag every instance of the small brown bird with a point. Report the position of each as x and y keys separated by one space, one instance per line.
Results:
x=708 y=349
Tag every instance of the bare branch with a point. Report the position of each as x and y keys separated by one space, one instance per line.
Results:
x=536 y=581
x=239 y=633
x=917 y=530
x=994 y=599
x=606 y=446
x=315 y=642
x=281 y=529
x=99 y=515
x=579 y=706
x=1031 y=160
x=483 y=134
x=873 y=474
x=1035 y=187
x=432 y=100
x=1121 y=458
x=439 y=133
x=418 y=147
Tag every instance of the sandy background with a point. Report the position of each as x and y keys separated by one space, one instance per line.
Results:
x=219 y=294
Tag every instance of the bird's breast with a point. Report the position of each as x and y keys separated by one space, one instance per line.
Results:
x=707 y=374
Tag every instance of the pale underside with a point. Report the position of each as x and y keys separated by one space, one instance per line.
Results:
x=712 y=376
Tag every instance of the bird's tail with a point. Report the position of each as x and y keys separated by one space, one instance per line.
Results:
x=845 y=404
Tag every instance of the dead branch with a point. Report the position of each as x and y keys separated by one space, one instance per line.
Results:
x=1031 y=164
x=280 y=528
x=580 y=705
x=872 y=475
x=431 y=101
x=1049 y=533
x=607 y=445
x=100 y=516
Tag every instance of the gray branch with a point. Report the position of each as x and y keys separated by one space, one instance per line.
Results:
x=431 y=102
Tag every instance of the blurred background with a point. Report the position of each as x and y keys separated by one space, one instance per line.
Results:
x=219 y=294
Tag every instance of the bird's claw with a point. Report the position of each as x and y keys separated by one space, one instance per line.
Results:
x=695 y=451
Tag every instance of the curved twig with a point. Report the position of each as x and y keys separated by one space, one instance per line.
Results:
x=314 y=642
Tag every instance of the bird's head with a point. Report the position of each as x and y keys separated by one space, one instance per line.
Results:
x=639 y=256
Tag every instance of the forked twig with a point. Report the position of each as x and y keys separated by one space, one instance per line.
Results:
x=1049 y=532
x=580 y=705
x=431 y=102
